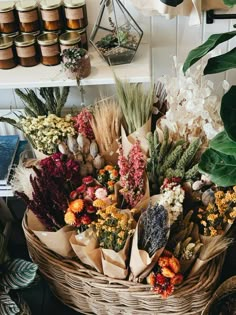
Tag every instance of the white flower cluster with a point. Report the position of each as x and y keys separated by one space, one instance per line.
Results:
x=45 y=132
x=188 y=252
x=193 y=108
x=172 y=200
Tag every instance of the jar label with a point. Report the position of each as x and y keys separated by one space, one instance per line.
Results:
x=50 y=15
x=28 y=17
x=7 y=17
x=49 y=51
x=6 y=54
x=74 y=14
x=26 y=52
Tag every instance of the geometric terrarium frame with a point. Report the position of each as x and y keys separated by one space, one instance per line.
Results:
x=115 y=35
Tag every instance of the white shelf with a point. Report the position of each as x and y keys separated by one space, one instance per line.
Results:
x=43 y=76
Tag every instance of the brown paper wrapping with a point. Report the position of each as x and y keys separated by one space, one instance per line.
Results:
x=111 y=156
x=185 y=265
x=57 y=241
x=115 y=264
x=140 y=134
x=85 y=246
x=40 y=155
x=140 y=262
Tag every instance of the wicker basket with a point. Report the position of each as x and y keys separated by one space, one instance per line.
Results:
x=90 y=292
x=228 y=286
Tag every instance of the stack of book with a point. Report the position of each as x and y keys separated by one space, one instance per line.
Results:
x=10 y=149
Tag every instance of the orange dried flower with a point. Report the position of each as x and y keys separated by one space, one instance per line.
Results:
x=70 y=218
x=76 y=205
x=108 y=168
x=163 y=261
x=174 y=264
x=177 y=279
x=151 y=279
x=110 y=183
x=167 y=272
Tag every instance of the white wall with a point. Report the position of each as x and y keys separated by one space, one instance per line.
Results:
x=168 y=38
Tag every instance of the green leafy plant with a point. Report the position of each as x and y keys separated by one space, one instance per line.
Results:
x=71 y=57
x=219 y=160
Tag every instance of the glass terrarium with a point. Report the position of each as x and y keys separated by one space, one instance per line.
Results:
x=115 y=35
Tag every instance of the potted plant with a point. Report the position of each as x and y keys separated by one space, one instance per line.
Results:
x=76 y=63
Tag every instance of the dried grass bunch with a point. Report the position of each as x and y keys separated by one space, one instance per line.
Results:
x=106 y=123
x=136 y=104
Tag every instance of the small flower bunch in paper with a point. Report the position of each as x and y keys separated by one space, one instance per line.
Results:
x=172 y=198
x=108 y=176
x=132 y=174
x=82 y=124
x=166 y=275
x=218 y=215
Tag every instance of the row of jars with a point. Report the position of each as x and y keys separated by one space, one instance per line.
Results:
x=49 y=15
x=28 y=50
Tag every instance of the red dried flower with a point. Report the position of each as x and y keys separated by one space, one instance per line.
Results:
x=160 y=279
x=168 y=291
x=83 y=125
x=81 y=189
x=85 y=219
x=88 y=180
x=73 y=195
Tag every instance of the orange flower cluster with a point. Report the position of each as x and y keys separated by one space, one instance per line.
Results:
x=166 y=275
x=108 y=176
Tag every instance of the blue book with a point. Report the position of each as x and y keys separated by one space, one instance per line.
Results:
x=8 y=148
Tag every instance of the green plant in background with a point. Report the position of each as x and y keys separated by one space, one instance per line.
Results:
x=168 y=160
x=219 y=160
x=14 y=275
x=230 y=2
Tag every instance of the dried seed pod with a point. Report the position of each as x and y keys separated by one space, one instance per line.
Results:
x=80 y=141
x=198 y=185
x=62 y=147
x=208 y=197
x=89 y=158
x=86 y=147
x=83 y=171
x=90 y=168
x=79 y=157
x=98 y=162
x=93 y=148
x=72 y=144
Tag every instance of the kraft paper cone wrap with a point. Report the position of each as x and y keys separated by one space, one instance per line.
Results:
x=140 y=134
x=115 y=264
x=111 y=156
x=85 y=246
x=140 y=262
x=57 y=241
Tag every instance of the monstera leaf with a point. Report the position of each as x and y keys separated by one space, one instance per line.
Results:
x=223 y=144
x=213 y=41
x=19 y=274
x=220 y=167
x=228 y=112
x=7 y=305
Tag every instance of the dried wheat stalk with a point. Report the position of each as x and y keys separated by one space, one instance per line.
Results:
x=106 y=123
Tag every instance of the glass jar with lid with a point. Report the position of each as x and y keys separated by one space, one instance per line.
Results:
x=7 y=53
x=70 y=40
x=26 y=50
x=49 y=47
x=8 y=17
x=28 y=16
x=51 y=13
x=75 y=14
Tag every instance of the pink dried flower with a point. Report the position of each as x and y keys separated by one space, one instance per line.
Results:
x=82 y=124
x=101 y=193
x=91 y=192
x=132 y=171
x=81 y=189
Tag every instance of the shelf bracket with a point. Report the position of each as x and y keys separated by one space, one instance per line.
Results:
x=211 y=16
x=82 y=91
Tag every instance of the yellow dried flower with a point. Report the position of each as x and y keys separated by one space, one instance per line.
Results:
x=98 y=203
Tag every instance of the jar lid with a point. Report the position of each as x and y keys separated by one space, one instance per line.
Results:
x=47 y=39
x=73 y=3
x=26 y=5
x=24 y=40
x=50 y=4
x=7 y=6
x=10 y=34
x=5 y=42
x=70 y=38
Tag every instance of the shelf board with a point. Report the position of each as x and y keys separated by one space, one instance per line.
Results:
x=43 y=76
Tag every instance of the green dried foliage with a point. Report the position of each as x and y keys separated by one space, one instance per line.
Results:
x=136 y=104
x=169 y=160
x=52 y=101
